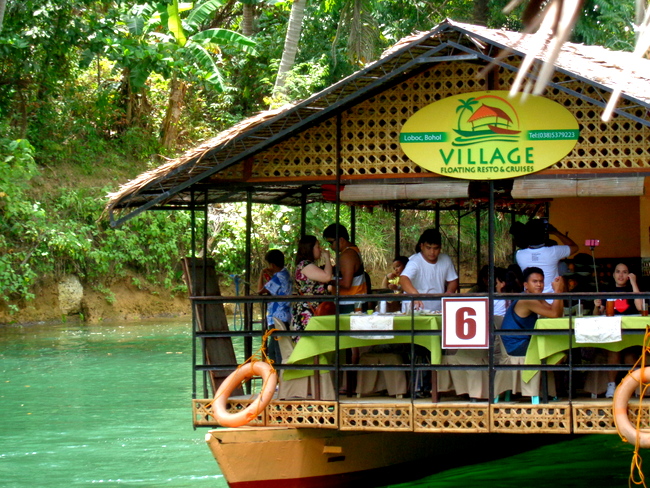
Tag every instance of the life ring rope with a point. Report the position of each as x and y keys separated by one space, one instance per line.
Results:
x=259 y=364
x=637 y=377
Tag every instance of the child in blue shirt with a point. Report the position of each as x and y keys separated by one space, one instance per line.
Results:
x=276 y=280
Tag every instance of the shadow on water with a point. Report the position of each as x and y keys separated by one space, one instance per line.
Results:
x=592 y=461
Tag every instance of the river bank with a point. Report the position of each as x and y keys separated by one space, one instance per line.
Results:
x=127 y=299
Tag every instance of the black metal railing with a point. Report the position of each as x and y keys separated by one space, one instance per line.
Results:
x=572 y=365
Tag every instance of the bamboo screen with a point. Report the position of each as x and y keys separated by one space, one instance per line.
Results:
x=621 y=144
x=370 y=133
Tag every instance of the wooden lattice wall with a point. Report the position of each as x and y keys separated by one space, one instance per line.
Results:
x=370 y=132
x=619 y=145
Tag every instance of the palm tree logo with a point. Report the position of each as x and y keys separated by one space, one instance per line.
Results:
x=493 y=120
x=465 y=105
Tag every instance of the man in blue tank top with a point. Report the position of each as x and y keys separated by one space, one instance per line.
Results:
x=522 y=314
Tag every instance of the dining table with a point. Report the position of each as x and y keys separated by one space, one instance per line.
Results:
x=311 y=348
x=551 y=349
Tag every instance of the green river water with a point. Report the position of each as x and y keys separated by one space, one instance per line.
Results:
x=110 y=404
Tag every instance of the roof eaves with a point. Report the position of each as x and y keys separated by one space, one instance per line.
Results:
x=312 y=118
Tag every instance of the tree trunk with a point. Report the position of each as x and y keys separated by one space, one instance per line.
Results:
x=247 y=22
x=290 y=46
x=3 y=5
x=125 y=101
x=170 y=125
x=481 y=12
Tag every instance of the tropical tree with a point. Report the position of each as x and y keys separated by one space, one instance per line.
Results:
x=168 y=39
x=248 y=15
x=359 y=25
x=294 y=29
x=197 y=48
x=40 y=43
x=609 y=23
x=3 y=5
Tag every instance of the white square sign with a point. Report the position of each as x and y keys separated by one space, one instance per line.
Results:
x=465 y=323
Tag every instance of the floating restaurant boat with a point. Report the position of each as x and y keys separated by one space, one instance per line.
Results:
x=385 y=136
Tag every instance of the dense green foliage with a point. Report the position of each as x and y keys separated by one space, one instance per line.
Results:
x=59 y=233
x=278 y=227
x=88 y=100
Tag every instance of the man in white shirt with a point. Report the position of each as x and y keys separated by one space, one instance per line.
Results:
x=429 y=271
x=539 y=255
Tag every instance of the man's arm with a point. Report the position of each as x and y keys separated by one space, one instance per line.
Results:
x=542 y=307
x=261 y=282
x=347 y=264
x=566 y=240
x=407 y=287
x=451 y=286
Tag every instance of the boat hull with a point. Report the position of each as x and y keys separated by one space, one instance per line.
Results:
x=269 y=457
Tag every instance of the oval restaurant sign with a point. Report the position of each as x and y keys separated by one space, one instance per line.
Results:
x=488 y=135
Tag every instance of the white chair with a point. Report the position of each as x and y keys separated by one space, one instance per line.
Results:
x=300 y=387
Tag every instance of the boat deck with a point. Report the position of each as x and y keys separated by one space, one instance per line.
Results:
x=450 y=415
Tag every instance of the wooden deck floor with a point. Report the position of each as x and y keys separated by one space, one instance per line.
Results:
x=450 y=415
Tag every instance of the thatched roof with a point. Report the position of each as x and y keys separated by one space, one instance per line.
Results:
x=194 y=175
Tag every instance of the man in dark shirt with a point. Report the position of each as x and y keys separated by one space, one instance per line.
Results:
x=522 y=314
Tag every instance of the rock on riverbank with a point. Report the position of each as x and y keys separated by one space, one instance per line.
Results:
x=67 y=299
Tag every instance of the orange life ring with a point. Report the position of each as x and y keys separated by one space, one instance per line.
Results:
x=244 y=372
x=622 y=396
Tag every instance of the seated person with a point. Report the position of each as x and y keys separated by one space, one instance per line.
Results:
x=429 y=271
x=275 y=280
x=624 y=281
x=522 y=314
x=391 y=280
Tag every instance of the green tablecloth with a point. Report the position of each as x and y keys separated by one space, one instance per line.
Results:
x=308 y=348
x=551 y=348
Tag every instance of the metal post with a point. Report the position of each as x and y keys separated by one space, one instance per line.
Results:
x=248 y=340
x=398 y=230
x=303 y=214
x=458 y=217
x=337 y=324
x=491 y=289
x=513 y=219
x=205 y=285
x=478 y=240
x=193 y=271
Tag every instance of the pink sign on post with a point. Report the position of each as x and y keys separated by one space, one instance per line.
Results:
x=465 y=323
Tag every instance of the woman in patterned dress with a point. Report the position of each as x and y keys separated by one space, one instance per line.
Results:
x=310 y=279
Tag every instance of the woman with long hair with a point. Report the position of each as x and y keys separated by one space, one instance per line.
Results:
x=310 y=279
x=624 y=281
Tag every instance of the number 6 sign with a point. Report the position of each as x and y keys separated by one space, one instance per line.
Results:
x=465 y=323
